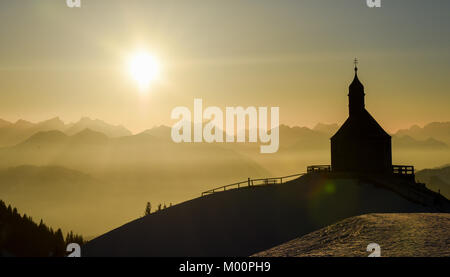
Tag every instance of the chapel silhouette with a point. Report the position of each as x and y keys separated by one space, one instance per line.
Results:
x=360 y=145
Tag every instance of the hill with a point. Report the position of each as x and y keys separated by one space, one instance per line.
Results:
x=329 y=129
x=61 y=196
x=399 y=235
x=4 y=123
x=127 y=172
x=245 y=221
x=407 y=142
x=436 y=179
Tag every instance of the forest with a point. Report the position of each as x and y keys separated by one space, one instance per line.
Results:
x=21 y=236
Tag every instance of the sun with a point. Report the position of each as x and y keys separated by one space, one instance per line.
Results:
x=144 y=68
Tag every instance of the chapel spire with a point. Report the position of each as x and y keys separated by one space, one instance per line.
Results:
x=356 y=94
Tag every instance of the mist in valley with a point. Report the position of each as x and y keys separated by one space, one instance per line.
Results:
x=100 y=177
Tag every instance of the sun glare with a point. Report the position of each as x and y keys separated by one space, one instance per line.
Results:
x=144 y=69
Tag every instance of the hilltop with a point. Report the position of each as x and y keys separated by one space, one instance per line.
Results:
x=244 y=221
x=399 y=235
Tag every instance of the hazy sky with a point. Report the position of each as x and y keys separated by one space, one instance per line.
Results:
x=57 y=61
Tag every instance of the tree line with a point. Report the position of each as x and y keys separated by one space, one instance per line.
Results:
x=21 y=236
x=148 y=208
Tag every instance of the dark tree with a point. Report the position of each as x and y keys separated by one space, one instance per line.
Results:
x=20 y=236
x=148 y=209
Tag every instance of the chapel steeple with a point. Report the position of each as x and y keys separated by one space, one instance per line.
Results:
x=360 y=145
x=356 y=94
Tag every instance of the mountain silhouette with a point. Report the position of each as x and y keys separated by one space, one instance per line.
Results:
x=4 y=123
x=245 y=221
x=129 y=170
x=436 y=179
x=51 y=124
x=59 y=195
x=149 y=166
x=408 y=142
x=88 y=136
x=45 y=138
x=99 y=126
x=14 y=133
x=298 y=138
x=436 y=130
x=23 y=124
x=161 y=132
x=328 y=129
x=57 y=139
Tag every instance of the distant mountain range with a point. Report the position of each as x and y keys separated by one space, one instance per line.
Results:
x=60 y=196
x=437 y=130
x=39 y=182
x=318 y=137
x=433 y=135
x=14 y=133
x=129 y=170
x=99 y=126
x=409 y=142
x=328 y=129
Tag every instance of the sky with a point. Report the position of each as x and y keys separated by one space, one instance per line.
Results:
x=293 y=54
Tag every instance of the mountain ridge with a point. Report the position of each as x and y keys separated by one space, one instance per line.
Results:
x=15 y=133
x=248 y=220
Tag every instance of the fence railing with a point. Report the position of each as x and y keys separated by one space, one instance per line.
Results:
x=253 y=182
x=396 y=169
x=318 y=168
x=403 y=169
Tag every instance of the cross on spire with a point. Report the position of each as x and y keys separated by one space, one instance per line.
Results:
x=355 y=61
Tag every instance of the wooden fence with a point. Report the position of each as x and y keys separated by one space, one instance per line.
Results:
x=253 y=182
x=404 y=170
